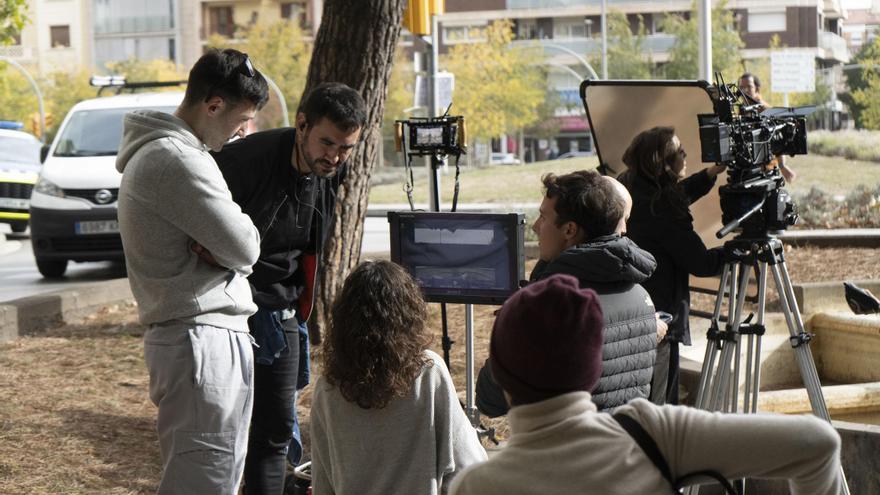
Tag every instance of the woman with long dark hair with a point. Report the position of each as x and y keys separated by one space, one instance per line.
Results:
x=661 y=224
x=385 y=416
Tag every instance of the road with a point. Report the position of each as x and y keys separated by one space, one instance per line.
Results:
x=19 y=276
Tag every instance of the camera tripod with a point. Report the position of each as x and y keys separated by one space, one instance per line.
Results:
x=719 y=385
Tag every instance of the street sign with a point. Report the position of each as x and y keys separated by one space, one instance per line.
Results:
x=792 y=71
x=445 y=87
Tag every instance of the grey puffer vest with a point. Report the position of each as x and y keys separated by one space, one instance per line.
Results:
x=614 y=267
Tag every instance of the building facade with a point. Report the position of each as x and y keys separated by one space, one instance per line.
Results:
x=567 y=27
x=57 y=36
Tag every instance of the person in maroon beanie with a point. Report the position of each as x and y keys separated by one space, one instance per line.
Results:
x=546 y=353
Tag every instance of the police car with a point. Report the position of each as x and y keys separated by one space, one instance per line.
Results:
x=19 y=166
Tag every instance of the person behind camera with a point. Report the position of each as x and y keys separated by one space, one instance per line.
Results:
x=546 y=353
x=750 y=86
x=385 y=416
x=579 y=227
x=661 y=223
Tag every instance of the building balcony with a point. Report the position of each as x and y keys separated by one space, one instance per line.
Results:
x=557 y=4
x=17 y=52
x=655 y=44
x=834 y=47
x=148 y=24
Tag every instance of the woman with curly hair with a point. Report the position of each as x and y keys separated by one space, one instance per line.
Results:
x=385 y=415
x=661 y=223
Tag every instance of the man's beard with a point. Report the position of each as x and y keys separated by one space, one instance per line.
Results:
x=318 y=166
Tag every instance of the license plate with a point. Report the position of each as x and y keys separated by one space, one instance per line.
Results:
x=97 y=227
x=15 y=203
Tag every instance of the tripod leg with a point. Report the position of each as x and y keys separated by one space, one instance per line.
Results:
x=470 y=409
x=722 y=392
x=802 y=349
x=800 y=342
x=712 y=342
x=753 y=369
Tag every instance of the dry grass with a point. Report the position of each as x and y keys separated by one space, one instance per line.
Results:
x=75 y=417
x=74 y=412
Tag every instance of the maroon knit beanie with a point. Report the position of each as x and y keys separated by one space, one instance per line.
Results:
x=547 y=341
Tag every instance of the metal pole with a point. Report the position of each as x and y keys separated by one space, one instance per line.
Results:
x=432 y=162
x=561 y=48
x=285 y=118
x=36 y=90
x=604 y=41
x=705 y=43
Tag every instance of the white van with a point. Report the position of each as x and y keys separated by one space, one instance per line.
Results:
x=73 y=204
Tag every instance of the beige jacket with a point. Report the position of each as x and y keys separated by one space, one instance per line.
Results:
x=563 y=446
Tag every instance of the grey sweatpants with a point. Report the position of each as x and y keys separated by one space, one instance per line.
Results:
x=200 y=379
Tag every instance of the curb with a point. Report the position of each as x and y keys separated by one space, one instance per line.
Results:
x=32 y=314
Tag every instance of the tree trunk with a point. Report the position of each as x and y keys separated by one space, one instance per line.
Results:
x=354 y=45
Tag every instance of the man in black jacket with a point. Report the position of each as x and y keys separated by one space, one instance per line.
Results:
x=579 y=227
x=286 y=181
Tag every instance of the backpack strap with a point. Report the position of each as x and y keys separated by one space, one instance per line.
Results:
x=649 y=446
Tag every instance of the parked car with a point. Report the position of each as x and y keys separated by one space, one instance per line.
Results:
x=575 y=154
x=73 y=205
x=19 y=166
x=503 y=159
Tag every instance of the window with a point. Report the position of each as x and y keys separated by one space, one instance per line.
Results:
x=568 y=28
x=765 y=22
x=220 y=21
x=527 y=29
x=59 y=36
x=464 y=34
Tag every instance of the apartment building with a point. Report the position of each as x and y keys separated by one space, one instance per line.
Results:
x=70 y=34
x=226 y=17
x=566 y=26
x=56 y=37
x=862 y=25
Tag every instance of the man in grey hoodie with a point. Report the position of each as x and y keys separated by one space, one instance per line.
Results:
x=189 y=249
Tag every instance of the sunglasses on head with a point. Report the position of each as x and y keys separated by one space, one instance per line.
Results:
x=246 y=68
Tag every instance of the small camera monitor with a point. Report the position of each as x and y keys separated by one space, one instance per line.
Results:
x=460 y=258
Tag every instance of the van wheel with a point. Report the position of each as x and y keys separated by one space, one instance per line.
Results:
x=18 y=228
x=51 y=268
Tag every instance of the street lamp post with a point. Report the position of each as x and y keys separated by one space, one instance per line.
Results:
x=36 y=90
x=604 y=41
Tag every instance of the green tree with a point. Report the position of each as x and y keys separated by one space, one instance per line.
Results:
x=13 y=17
x=863 y=86
x=280 y=51
x=400 y=98
x=626 y=50
x=136 y=70
x=726 y=44
x=498 y=89
x=61 y=91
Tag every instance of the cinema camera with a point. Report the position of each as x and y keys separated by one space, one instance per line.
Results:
x=747 y=140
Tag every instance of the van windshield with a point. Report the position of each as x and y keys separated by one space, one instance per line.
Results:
x=95 y=132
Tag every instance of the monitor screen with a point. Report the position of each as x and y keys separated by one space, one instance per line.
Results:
x=469 y=258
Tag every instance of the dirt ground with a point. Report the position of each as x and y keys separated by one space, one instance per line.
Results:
x=75 y=417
